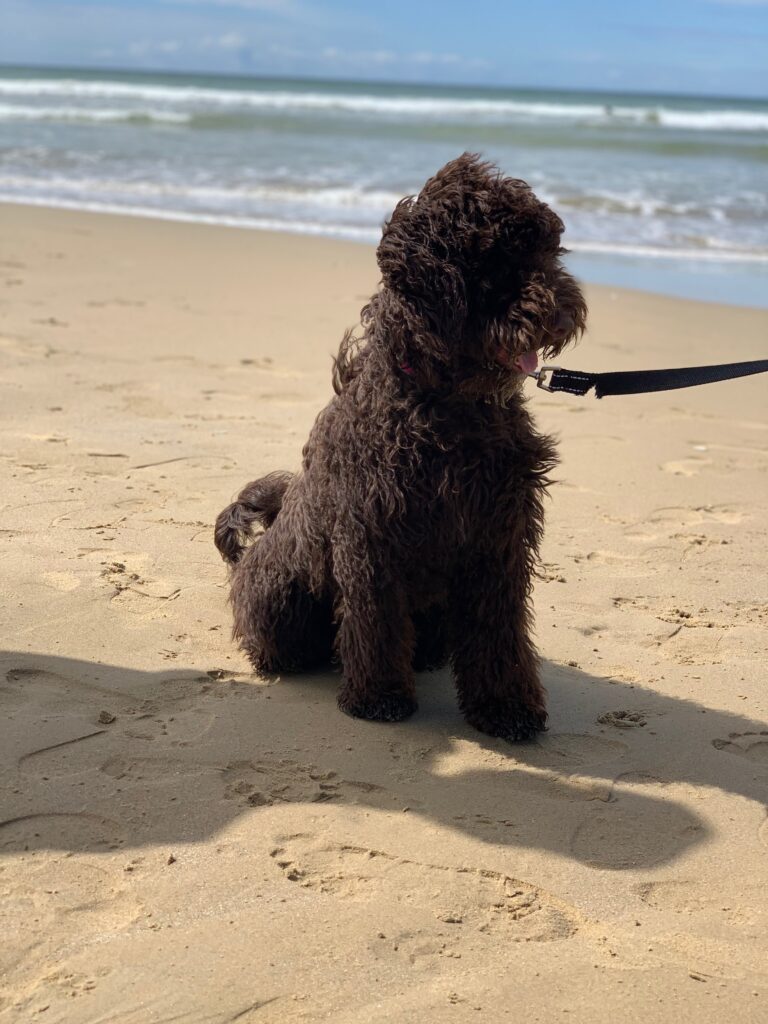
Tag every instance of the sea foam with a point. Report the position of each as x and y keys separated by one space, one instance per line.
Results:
x=359 y=103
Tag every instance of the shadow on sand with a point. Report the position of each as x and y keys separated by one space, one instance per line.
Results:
x=187 y=753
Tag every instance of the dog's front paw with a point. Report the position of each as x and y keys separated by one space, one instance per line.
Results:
x=389 y=707
x=510 y=722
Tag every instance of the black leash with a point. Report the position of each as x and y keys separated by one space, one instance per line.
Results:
x=637 y=382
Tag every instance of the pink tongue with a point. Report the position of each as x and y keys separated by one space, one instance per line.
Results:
x=527 y=362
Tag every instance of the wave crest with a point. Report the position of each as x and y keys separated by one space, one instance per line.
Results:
x=445 y=108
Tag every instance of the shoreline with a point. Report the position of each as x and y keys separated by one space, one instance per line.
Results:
x=708 y=278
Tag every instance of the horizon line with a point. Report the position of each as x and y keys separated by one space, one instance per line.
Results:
x=261 y=76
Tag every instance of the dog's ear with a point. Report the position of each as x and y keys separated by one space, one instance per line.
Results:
x=416 y=262
x=429 y=244
x=435 y=244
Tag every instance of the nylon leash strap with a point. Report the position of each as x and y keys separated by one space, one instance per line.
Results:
x=637 y=382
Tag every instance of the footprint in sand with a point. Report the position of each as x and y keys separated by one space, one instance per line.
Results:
x=680 y=516
x=635 y=829
x=134 y=585
x=76 y=719
x=631 y=602
x=153 y=770
x=691 y=466
x=262 y=783
x=147 y=407
x=607 y=558
x=174 y=723
x=696 y=543
x=64 y=581
x=480 y=901
x=53 y=899
x=622 y=565
x=753 y=746
x=85 y=751
x=739 y=905
x=624 y=719
x=640 y=536
x=54 y=693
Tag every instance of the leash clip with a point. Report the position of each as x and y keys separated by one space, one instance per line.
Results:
x=541 y=376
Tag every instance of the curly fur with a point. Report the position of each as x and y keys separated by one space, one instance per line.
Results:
x=410 y=536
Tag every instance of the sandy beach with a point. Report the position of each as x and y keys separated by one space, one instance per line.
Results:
x=182 y=841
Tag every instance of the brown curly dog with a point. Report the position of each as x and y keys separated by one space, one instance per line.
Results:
x=409 y=537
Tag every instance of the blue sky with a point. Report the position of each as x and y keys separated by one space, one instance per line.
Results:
x=695 y=46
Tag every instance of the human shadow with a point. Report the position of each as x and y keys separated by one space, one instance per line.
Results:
x=101 y=757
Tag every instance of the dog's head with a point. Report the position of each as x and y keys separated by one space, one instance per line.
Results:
x=473 y=263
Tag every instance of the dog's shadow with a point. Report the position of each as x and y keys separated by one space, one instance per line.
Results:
x=97 y=757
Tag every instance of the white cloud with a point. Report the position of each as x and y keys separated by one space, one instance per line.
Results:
x=221 y=43
x=379 y=57
x=227 y=41
x=146 y=47
x=423 y=58
x=357 y=56
x=232 y=41
x=446 y=59
x=286 y=51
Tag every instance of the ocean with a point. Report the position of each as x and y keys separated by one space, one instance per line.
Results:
x=662 y=192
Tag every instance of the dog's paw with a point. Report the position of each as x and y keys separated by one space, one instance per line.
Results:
x=390 y=707
x=288 y=665
x=512 y=723
x=269 y=665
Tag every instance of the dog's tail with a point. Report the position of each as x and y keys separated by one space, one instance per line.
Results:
x=258 y=502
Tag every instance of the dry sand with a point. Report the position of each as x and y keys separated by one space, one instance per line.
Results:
x=180 y=841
